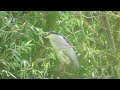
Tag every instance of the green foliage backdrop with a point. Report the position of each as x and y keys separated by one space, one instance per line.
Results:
x=25 y=54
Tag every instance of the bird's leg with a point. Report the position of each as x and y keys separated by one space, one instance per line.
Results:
x=60 y=67
x=63 y=68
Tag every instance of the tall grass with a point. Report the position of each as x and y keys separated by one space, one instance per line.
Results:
x=25 y=54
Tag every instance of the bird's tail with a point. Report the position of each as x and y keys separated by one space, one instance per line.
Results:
x=76 y=63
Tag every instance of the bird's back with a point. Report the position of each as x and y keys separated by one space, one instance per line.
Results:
x=63 y=44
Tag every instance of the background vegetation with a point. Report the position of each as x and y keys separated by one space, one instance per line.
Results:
x=25 y=54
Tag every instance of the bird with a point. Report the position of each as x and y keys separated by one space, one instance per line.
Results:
x=63 y=48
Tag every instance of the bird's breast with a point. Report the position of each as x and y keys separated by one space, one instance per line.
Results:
x=59 y=44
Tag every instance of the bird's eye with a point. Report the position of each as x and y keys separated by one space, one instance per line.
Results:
x=45 y=33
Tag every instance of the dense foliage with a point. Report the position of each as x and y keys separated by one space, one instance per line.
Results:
x=25 y=54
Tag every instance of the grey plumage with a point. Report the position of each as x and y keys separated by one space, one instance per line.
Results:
x=63 y=47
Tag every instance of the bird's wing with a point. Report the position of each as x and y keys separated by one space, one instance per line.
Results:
x=67 y=40
x=72 y=55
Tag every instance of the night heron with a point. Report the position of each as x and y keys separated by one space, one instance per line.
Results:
x=63 y=48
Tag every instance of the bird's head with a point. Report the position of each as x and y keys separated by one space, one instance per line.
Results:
x=50 y=34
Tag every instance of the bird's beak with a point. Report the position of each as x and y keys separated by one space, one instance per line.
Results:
x=45 y=35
